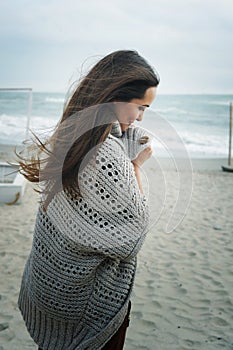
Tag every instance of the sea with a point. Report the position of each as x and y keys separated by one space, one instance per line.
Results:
x=201 y=120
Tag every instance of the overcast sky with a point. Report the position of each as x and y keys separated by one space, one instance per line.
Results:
x=45 y=42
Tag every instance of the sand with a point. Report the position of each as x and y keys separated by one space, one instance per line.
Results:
x=183 y=293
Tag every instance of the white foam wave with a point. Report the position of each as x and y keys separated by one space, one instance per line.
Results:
x=13 y=128
x=197 y=144
x=40 y=122
x=219 y=103
x=55 y=99
x=171 y=110
x=213 y=147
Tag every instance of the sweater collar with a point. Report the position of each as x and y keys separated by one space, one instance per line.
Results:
x=116 y=130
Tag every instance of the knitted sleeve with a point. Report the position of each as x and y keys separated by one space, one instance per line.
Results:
x=111 y=217
x=135 y=139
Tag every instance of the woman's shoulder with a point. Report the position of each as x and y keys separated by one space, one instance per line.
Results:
x=109 y=157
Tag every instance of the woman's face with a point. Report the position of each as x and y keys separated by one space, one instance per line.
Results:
x=128 y=112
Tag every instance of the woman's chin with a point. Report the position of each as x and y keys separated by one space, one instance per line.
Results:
x=124 y=127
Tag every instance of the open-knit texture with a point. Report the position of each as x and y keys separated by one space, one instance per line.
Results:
x=79 y=275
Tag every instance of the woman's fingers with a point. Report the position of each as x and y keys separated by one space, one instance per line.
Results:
x=145 y=154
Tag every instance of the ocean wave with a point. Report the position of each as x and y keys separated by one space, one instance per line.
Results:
x=195 y=143
x=220 y=103
x=11 y=130
x=215 y=144
x=197 y=138
x=171 y=110
x=14 y=128
x=55 y=99
x=174 y=112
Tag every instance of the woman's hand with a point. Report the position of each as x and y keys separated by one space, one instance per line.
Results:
x=145 y=154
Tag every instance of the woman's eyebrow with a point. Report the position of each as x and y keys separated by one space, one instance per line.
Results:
x=146 y=105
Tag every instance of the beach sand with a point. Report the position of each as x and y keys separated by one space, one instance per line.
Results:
x=183 y=293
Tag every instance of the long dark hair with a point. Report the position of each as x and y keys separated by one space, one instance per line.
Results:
x=120 y=76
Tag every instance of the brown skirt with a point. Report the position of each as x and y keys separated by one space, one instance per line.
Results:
x=118 y=339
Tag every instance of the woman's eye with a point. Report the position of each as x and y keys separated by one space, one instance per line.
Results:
x=141 y=108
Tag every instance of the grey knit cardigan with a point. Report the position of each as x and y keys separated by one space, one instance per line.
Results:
x=79 y=275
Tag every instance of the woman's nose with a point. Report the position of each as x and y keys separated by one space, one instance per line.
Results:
x=139 y=118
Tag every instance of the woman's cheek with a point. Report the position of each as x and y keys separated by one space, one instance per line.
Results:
x=128 y=113
x=133 y=114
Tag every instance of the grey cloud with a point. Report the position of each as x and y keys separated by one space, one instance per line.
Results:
x=181 y=38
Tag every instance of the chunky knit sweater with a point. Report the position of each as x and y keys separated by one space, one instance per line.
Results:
x=79 y=275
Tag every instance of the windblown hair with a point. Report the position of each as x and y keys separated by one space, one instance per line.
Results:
x=87 y=120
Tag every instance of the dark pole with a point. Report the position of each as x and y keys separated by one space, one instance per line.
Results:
x=230 y=135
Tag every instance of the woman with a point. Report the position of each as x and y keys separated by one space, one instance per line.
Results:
x=93 y=216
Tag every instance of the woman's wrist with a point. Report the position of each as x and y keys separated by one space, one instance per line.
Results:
x=137 y=174
x=136 y=163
